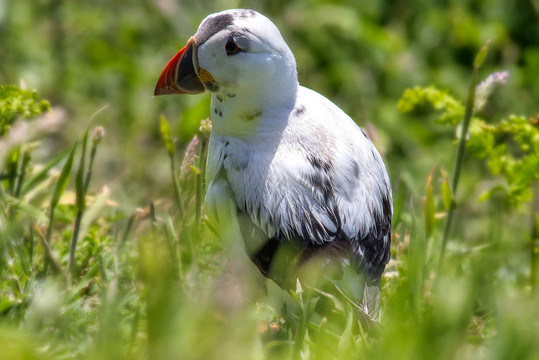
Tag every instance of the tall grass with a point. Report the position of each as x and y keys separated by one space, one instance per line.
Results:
x=155 y=282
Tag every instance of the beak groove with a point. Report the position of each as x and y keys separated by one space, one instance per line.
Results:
x=180 y=76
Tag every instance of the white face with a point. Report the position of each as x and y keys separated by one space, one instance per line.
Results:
x=244 y=52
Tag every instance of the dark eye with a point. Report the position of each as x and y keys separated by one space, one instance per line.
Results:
x=231 y=47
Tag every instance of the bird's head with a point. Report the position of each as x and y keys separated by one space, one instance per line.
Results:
x=235 y=52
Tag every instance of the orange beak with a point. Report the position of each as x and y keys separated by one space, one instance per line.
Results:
x=181 y=75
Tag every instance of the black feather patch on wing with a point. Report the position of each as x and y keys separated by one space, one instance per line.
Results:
x=368 y=255
x=376 y=245
x=312 y=238
x=280 y=257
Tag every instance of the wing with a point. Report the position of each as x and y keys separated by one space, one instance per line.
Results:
x=321 y=187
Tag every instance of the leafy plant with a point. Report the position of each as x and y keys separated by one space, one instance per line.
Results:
x=510 y=148
x=17 y=103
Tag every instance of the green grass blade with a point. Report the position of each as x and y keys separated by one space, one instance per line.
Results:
x=166 y=133
x=22 y=171
x=41 y=176
x=429 y=207
x=481 y=56
x=25 y=208
x=12 y=166
x=62 y=180
x=447 y=196
x=59 y=188
x=79 y=177
x=127 y=231
x=468 y=113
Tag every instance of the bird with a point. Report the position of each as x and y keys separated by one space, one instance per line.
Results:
x=291 y=179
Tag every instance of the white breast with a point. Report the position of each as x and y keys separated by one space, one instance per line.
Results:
x=305 y=171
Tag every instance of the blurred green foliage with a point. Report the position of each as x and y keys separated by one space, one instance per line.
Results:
x=84 y=54
x=15 y=103
x=510 y=146
x=150 y=281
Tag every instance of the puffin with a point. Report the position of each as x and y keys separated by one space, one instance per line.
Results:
x=293 y=184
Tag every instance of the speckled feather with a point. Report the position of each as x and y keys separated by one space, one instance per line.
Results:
x=286 y=165
x=320 y=181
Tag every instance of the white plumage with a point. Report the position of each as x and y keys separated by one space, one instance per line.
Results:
x=285 y=165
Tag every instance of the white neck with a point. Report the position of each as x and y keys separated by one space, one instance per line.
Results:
x=241 y=114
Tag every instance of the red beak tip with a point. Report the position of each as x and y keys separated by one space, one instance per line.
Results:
x=162 y=89
x=168 y=81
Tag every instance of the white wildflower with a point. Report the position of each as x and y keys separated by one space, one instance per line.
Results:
x=99 y=133
x=486 y=87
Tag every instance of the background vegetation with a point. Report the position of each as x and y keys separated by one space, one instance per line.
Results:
x=104 y=251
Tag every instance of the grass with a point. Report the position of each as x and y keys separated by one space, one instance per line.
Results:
x=82 y=278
